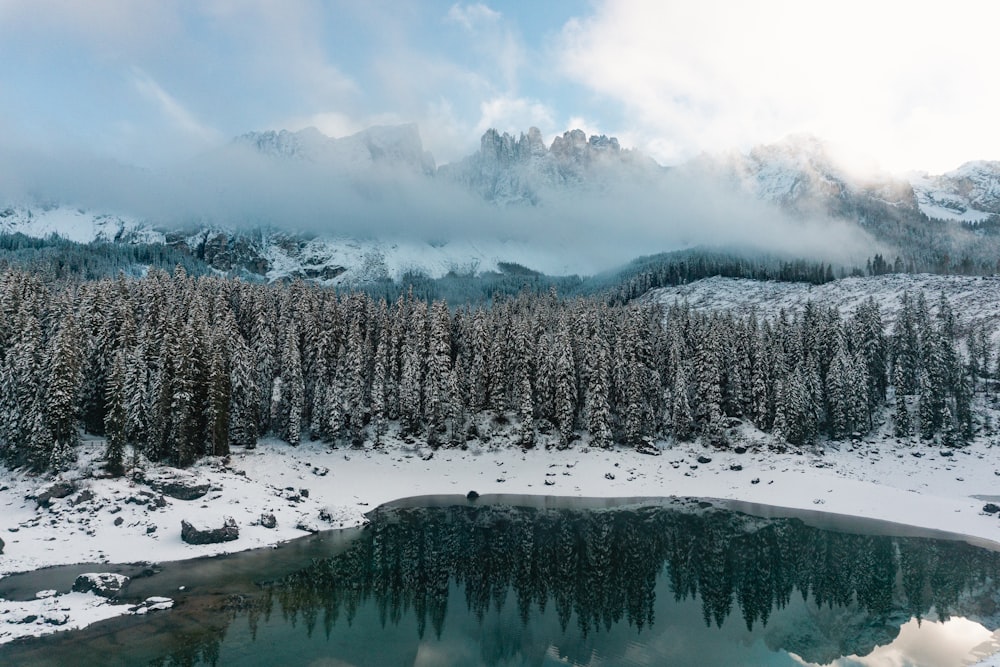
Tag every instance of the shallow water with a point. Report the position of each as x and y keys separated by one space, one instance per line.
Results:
x=449 y=582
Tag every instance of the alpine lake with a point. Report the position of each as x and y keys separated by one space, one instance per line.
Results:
x=518 y=580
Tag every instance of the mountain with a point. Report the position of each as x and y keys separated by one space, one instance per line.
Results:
x=508 y=170
x=801 y=175
x=315 y=207
x=398 y=145
x=970 y=193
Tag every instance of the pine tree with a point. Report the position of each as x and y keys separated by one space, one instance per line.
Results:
x=565 y=388
x=598 y=407
x=290 y=392
x=527 y=413
x=116 y=416
x=379 y=382
x=680 y=421
x=901 y=427
x=62 y=391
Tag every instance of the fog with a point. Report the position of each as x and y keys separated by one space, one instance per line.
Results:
x=592 y=228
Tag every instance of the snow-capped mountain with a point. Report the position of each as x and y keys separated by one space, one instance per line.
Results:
x=343 y=242
x=800 y=174
x=508 y=170
x=398 y=145
x=970 y=193
x=75 y=224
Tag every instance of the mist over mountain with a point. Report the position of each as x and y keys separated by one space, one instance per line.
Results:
x=376 y=203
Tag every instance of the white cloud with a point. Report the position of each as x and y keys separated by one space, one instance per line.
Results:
x=472 y=16
x=330 y=123
x=514 y=114
x=180 y=117
x=905 y=82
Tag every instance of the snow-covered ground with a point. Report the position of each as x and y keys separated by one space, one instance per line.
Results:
x=973 y=299
x=315 y=487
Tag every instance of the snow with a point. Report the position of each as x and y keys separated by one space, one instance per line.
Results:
x=368 y=260
x=974 y=300
x=54 y=613
x=74 y=224
x=876 y=477
x=959 y=194
x=316 y=487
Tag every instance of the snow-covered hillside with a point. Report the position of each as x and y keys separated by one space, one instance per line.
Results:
x=75 y=224
x=336 y=261
x=974 y=299
x=279 y=255
x=970 y=193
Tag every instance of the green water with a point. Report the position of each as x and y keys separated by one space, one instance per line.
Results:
x=497 y=585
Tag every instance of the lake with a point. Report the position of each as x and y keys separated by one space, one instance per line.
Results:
x=504 y=582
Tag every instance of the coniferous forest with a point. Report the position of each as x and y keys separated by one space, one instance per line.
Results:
x=173 y=368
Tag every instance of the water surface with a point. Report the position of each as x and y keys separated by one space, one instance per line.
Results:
x=451 y=582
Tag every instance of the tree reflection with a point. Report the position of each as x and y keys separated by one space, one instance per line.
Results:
x=602 y=567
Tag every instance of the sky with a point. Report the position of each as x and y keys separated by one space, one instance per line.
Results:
x=906 y=85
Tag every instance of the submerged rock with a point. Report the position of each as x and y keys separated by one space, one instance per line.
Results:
x=471 y=495
x=105 y=584
x=208 y=535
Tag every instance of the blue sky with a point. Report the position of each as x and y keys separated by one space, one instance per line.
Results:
x=150 y=82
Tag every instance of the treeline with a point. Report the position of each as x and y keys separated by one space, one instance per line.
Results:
x=682 y=267
x=176 y=367
x=58 y=259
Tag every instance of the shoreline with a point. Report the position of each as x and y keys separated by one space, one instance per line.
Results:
x=880 y=483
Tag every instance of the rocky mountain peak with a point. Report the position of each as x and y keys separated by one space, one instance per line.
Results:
x=386 y=144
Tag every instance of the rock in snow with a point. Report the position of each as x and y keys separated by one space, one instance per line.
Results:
x=208 y=535
x=105 y=584
x=57 y=489
x=180 y=485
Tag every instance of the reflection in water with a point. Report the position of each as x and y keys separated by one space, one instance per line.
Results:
x=497 y=585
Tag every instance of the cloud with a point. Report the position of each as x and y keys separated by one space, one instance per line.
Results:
x=175 y=112
x=471 y=17
x=514 y=115
x=588 y=229
x=901 y=81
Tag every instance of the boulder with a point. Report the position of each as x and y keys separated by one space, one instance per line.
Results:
x=105 y=584
x=471 y=495
x=179 y=484
x=228 y=532
x=83 y=497
x=1 y=546
x=57 y=489
x=989 y=508
x=267 y=520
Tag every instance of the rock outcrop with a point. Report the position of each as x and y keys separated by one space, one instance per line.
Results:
x=105 y=584
x=192 y=534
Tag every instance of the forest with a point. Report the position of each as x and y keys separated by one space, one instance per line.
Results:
x=173 y=368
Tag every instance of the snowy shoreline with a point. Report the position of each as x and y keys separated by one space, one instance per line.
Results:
x=878 y=479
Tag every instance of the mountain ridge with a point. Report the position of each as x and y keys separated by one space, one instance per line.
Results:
x=799 y=175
